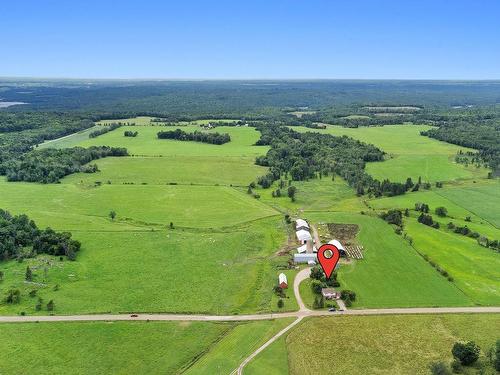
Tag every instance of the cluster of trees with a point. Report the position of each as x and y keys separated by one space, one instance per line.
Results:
x=427 y=220
x=21 y=238
x=466 y=354
x=481 y=240
x=393 y=217
x=180 y=135
x=50 y=165
x=130 y=133
x=104 y=129
x=302 y=156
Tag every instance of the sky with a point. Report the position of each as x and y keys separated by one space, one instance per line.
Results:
x=272 y=39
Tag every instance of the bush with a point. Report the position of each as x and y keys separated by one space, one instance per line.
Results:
x=441 y=211
x=280 y=303
x=316 y=286
x=467 y=353
x=456 y=367
x=439 y=368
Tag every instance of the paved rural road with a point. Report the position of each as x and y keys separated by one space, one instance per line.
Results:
x=299 y=277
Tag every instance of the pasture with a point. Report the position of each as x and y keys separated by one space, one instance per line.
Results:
x=391 y=274
x=220 y=271
x=385 y=344
x=409 y=153
x=130 y=347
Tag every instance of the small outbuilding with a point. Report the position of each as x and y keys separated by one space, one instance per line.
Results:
x=282 y=281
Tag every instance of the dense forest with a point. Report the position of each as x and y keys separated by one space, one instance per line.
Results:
x=50 y=165
x=21 y=238
x=180 y=135
x=301 y=156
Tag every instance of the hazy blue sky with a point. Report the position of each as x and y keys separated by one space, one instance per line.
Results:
x=251 y=39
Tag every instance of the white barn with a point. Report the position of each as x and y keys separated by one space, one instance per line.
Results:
x=337 y=244
x=303 y=236
x=301 y=224
x=305 y=258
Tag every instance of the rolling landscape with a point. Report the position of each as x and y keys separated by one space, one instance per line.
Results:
x=241 y=223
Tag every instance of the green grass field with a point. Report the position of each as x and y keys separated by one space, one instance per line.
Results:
x=130 y=347
x=410 y=154
x=392 y=274
x=226 y=271
x=385 y=344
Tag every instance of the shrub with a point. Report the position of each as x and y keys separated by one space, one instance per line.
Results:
x=439 y=368
x=456 y=367
x=441 y=211
x=280 y=303
x=466 y=353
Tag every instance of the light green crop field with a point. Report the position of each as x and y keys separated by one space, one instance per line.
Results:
x=130 y=347
x=473 y=267
x=173 y=169
x=147 y=143
x=392 y=274
x=411 y=155
x=70 y=207
x=386 y=344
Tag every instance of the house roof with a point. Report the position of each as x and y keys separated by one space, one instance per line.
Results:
x=328 y=291
x=337 y=244
x=282 y=278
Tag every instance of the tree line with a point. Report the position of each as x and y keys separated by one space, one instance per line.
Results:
x=21 y=238
x=50 y=165
x=104 y=129
x=197 y=136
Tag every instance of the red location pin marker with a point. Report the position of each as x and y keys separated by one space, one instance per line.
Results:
x=328 y=256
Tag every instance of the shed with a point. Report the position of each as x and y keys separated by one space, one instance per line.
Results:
x=282 y=281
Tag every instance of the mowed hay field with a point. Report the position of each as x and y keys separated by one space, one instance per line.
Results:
x=411 y=155
x=475 y=269
x=130 y=347
x=392 y=274
x=193 y=247
x=385 y=344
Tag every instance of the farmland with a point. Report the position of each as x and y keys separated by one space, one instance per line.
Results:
x=384 y=345
x=188 y=238
x=409 y=153
x=153 y=347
